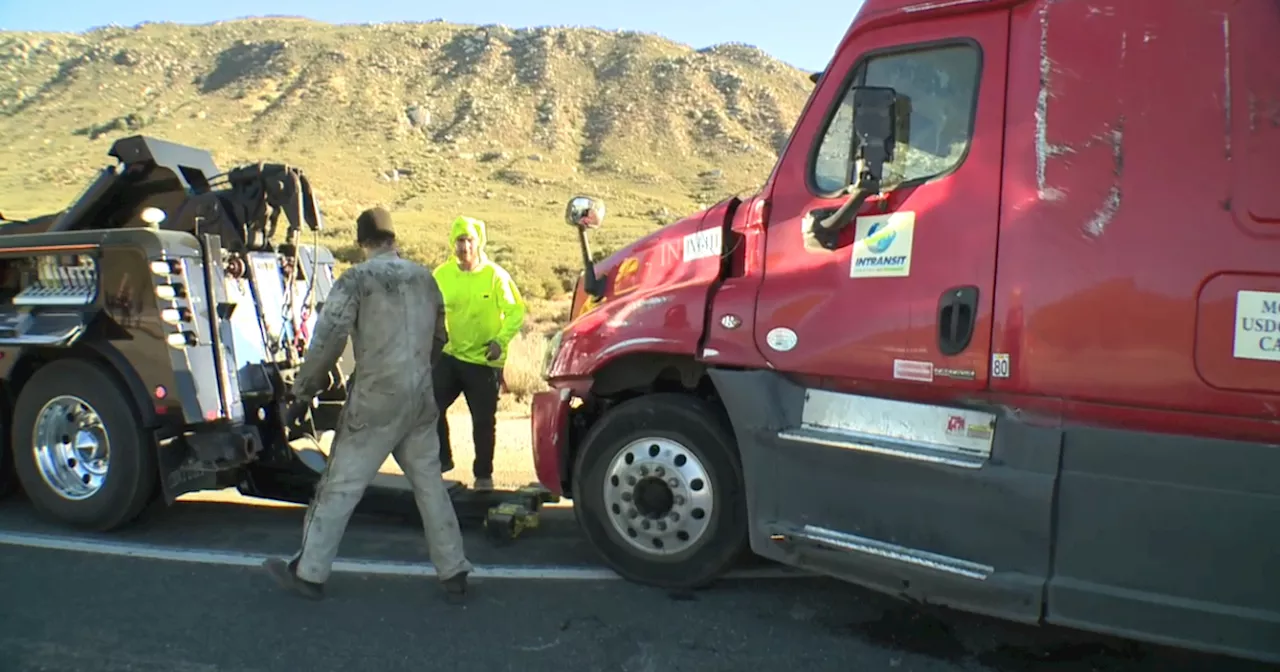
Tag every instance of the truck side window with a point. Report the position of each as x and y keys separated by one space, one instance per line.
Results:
x=937 y=92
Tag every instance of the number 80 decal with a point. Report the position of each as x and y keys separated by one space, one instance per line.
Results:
x=1000 y=365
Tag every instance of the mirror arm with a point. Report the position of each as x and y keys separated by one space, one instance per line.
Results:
x=593 y=285
x=584 y=213
x=827 y=229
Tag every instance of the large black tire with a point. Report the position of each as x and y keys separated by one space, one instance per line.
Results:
x=691 y=441
x=130 y=471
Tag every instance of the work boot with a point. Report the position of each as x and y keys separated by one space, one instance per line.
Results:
x=286 y=574
x=483 y=485
x=455 y=588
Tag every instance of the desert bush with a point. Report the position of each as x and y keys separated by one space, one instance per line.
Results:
x=551 y=287
x=523 y=372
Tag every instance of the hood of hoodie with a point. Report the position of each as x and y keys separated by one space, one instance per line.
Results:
x=468 y=226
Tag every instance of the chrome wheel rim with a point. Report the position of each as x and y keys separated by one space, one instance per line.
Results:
x=71 y=448
x=658 y=496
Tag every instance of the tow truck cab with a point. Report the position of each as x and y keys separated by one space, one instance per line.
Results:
x=1035 y=376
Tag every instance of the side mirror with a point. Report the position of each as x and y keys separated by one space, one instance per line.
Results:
x=584 y=213
x=875 y=117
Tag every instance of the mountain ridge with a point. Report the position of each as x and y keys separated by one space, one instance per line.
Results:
x=426 y=118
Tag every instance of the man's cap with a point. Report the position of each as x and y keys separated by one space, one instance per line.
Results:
x=372 y=221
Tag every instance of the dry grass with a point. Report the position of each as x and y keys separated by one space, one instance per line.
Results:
x=430 y=120
x=523 y=374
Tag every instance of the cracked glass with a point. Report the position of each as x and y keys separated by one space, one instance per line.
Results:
x=936 y=90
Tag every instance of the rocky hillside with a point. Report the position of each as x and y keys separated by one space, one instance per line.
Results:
x=429 y=119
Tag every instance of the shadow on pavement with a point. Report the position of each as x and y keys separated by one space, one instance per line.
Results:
x=967 y=639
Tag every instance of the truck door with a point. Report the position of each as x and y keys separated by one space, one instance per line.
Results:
x=899 y=301
x=861 y=461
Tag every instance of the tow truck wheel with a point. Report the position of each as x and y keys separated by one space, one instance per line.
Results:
x=79 y=448
x=658 y=491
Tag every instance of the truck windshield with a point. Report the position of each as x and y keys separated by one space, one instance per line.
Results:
x=937 y=88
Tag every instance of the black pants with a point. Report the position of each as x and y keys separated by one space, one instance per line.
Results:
x=479 y=384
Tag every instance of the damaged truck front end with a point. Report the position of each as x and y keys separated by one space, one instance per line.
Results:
x=634 y=349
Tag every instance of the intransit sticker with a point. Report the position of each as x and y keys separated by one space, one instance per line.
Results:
x=882 y=246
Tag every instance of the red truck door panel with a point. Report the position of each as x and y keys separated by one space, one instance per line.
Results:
x=871 y=309
x=877 y=487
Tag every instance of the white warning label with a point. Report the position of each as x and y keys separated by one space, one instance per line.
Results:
x=1257 y=326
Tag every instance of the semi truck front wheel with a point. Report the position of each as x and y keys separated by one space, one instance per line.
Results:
x=79 y=448
x=658 y=491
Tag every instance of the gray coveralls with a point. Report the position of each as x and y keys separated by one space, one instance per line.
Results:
x=391 y=308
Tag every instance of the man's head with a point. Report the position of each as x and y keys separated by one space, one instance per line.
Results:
x=467 y=236
x=374 y=230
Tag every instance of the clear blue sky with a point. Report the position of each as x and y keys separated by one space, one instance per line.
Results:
x=804 y=35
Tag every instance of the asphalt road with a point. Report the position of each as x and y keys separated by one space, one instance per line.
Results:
x=71 y=611
x=240 y=526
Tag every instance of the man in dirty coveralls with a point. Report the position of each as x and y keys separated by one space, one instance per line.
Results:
x=393 y=312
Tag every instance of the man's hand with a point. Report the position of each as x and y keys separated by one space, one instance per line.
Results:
x=494 y=352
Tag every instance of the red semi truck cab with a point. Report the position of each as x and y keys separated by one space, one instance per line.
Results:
x=1006 y=339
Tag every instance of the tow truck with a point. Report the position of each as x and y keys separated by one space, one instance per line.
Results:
x=150 y=332
x=999 y=332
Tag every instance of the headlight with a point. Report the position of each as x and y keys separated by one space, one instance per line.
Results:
x=549 y=353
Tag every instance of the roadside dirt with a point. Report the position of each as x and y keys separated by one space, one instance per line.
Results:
x=513 y=456
x=512 y=462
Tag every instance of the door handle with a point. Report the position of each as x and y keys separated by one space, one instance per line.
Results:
x=957 y=313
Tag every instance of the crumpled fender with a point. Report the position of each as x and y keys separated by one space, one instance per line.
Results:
x=657 y=291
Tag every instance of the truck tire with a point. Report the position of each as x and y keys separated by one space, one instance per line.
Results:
x=79 y=448
x=658 y=491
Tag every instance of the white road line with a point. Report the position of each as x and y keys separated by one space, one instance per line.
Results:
x=378 y=567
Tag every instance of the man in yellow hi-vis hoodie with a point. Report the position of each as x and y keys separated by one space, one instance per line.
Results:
x=483 y=312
